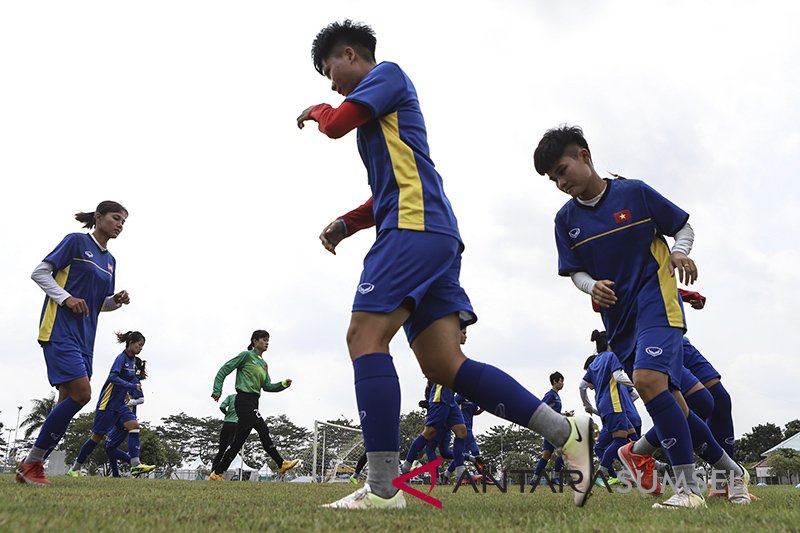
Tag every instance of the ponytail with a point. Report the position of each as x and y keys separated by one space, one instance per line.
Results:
x=129 y=337
x=103 y=208
x=601 y=340
x=257 y=334
x=141 y=373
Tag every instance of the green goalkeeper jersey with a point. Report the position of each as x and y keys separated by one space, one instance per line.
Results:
x=228 y=407
x=251 y=374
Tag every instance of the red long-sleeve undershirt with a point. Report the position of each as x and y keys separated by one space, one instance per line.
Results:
x=336 y=122
x=359 y=218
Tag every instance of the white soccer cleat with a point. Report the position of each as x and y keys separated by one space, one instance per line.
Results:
x=578 y=453
x=682 y=499
x=363 y=498
x=738 y=491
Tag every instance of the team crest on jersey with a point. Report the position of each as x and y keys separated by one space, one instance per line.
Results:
x=574 y=232
x=110 y=267
x=654 y=351
x=365 y=288
x=88 y=254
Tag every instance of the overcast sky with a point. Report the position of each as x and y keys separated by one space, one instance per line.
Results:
x=185 y=113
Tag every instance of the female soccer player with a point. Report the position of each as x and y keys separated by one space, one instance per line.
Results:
x=605 y=375
x=118 y=433
x=251 y=378
x=78 y=278
x=552 y=399
x=121 y=384
x=228 y=432
x=411 y=274
x=611 y=241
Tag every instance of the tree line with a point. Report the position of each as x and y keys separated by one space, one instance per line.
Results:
x=181 y=439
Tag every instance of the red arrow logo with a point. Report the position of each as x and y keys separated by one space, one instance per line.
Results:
x=400 y=482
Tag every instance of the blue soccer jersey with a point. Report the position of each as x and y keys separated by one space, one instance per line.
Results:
x=468 y=409
x=621 y=239
x=406 y=188
x=629 y=407
x=135 y=393
x=84 y=271
x=443 y=395
x=608 y=396
x=120 y=382
x=552 y=399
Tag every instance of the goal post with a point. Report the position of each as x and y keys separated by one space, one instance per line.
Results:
x=333 y=454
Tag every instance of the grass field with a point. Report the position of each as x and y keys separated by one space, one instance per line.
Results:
x=104 y=504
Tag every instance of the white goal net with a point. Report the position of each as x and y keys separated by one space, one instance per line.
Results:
x=333 y=454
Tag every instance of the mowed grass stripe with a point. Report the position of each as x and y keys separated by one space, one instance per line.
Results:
x=103 y=504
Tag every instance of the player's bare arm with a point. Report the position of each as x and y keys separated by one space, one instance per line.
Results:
x=687 y=270
x=77 y=305
x=603 y=294
x=332 y=235
x=122 y=297
x=305 y=116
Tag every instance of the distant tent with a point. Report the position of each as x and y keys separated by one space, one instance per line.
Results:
x=193 y=470
x=238 y=464
x=239 y=469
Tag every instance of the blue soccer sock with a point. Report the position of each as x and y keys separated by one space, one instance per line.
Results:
x=416 y=446
x=133 y=447
x=540 y=465
x=430 y=450
x=445 y=450
x=119 y=455
x=458 y=451
x=701 y=403
x=500 y=394
x=54 y=427
x=378 y=399
x=707 y=446
x=672 y=429
x=611 y=453
x=721 y=420
x=113 y=466
x=86 y=450
x=559 y=464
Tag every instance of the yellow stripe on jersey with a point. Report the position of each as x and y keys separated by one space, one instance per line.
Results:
x=437 y=396
x=667 y=283
x=93 y=263
x=613 y=391
x=628 y=226
x=106 y=397
x=410 y=206
x=49 y=318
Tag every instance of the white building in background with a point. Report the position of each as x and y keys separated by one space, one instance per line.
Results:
x=763 y=471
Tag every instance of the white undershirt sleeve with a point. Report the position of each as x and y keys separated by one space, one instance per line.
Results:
x=684 y=239
x=585 y=396
x=622 y=378
x=634 y=395
x=43 y=276
x=583 y=281
x=109 y=304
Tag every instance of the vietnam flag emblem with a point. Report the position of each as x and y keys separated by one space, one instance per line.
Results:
x=622 y=216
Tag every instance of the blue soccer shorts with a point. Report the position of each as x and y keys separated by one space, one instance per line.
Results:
x=420 y=267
